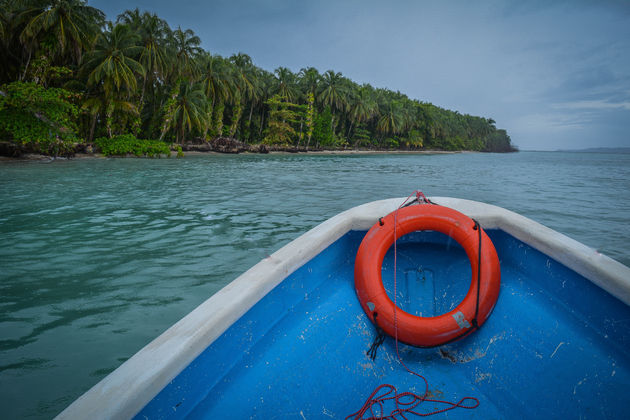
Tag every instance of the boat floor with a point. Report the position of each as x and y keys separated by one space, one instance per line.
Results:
x=554 y=346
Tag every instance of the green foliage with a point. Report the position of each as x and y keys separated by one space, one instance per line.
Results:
x=322 y=130
x=309 y=118
x=279 y=133
x=110 y=63
x=453 y=143
x=282 y=116
x=334 y=92
x=128 y=144
x=498 y=141
x=392 y=143
x=43 y=118
x=186 y=48
x=413 y=140
x=340 y=143
x=186 y=111
x=42 y=72
x=217 y=120
x=285 y=84
x=361 y=137
x=237 y=111
x=168 y=110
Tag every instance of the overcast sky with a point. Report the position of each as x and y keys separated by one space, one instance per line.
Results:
x=555 y=74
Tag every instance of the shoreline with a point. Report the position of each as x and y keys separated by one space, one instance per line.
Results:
x=374 y=152
x=32 y=157
x=334 y=152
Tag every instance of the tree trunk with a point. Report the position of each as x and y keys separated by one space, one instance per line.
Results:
x=108 y=124
x=144 y=83
x=350 y=129
x=237 y=111
x=208 y=123
x=56 y=147
x=28 y=61
x=308 y=142
x=218 y=118
x=300 y=137
x=249 y=122
x=262 y=122
x=164 y=130
x=92 y=126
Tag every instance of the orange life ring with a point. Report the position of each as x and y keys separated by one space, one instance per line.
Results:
x=470 y=314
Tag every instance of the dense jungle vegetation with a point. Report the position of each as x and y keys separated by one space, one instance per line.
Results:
x=69 y=76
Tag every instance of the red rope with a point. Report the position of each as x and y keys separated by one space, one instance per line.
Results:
x=405 y=402
x=403 y=406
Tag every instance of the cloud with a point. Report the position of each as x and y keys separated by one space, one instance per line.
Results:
x=594 y=105
x=551 y=123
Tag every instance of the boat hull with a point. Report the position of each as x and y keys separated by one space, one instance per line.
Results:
x=290 y=339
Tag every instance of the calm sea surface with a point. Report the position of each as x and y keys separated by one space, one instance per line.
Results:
x=99 y=256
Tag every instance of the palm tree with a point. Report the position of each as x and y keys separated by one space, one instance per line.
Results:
x=244 y=75
x=133 y=18
x=333 y=93
x=266 y=83
x=110 y=62
x=187 y=112
x=112 y=73
x=362 y=107
x=216 y=79
x=391 y=118
x=12 y=51
x=246 y=86
x=101 y=105
x=286 y=84
x=153 y=33
x=309 y=80
x=66 y=26
x=186 y=47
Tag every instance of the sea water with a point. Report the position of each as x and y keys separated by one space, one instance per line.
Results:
x=100 y=256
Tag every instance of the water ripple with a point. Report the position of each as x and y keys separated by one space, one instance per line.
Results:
x=98 y=257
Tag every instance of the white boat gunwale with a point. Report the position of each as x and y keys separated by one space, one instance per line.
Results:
x=125 y=391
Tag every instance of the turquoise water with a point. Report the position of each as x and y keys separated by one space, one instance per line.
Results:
x=98 y=257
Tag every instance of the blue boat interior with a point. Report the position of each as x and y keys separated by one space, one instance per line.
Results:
x=555 y=346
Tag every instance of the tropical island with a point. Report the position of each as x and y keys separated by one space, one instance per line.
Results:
x=72 y=82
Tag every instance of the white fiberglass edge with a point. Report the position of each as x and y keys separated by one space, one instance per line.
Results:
x=124 y=392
